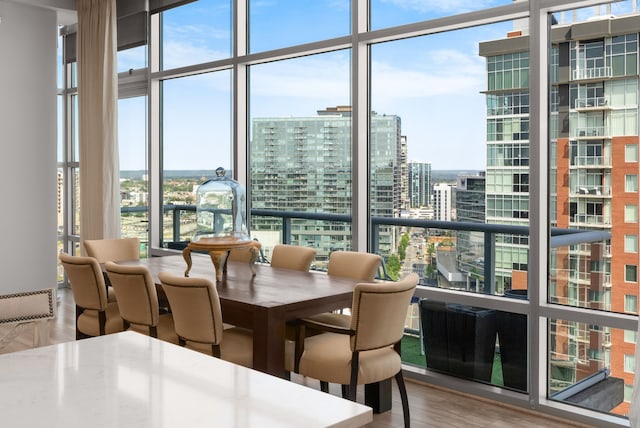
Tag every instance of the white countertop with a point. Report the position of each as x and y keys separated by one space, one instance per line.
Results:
x=131 y=380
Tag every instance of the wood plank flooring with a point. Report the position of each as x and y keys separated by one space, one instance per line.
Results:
x=431 y=407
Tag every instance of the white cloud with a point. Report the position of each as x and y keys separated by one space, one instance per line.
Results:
x=178 y=54
x=448 y=72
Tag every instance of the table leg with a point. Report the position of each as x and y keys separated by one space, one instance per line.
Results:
x=186 y=255
x=378 y=396
x=268 y=344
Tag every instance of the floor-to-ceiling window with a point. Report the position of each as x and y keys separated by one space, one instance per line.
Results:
x=320 y=109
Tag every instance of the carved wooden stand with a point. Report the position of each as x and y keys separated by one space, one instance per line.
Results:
x=218 y=249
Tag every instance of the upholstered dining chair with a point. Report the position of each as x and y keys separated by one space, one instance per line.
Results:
x=295 y=257
x=239 y=255
x=369 y=350
x=138 y=301
x=115 y=250
x=198 y=320
x=292 y=257
x=95 y=315
x=356 y=265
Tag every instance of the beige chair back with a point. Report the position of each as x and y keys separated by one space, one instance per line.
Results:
x=292 y=257
x=115 y=250
x=240 y=255
x=379 y=312
x=136 y=293
x=87 y=281
x=195 y=306
x=354 y=264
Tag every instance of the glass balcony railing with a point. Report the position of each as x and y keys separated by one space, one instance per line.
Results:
x=591 y=161
x=591 y=103
x=591 y=132
x=591 y=73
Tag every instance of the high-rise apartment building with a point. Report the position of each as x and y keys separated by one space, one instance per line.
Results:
x=594 y=79
x=442 y=194
x=470 y=208
x=305 y=165
x=420 y=189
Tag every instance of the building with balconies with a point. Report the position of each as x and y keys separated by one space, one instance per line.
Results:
x=594 y=152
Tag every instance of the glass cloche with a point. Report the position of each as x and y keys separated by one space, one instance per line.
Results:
x=221 y=209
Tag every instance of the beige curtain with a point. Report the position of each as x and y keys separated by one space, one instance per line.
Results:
x=98 y=118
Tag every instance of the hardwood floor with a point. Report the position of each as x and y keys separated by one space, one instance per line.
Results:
x=430 y=406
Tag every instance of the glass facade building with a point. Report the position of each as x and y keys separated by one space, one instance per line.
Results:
x=420 y=186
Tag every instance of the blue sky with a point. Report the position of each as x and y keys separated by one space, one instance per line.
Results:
x=433 y=83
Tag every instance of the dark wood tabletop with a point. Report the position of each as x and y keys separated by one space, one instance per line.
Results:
x=263 y=302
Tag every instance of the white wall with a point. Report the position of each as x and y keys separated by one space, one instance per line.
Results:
x=28 y=139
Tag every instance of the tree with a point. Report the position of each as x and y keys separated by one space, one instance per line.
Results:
x=393 y=266
x=402 y=246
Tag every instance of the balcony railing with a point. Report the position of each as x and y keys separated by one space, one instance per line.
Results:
x=591 y=219
x=592 y=161
x=591 y=73
x=559 y=237
x=591 y=132
x=591 y=103
x=587 y=189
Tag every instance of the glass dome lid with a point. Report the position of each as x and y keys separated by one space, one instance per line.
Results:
x=221 y=209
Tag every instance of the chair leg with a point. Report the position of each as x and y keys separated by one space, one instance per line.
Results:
x=345 y=391
x=353 y=384
x=324 y=386
x=78 y=312
x=403 y=397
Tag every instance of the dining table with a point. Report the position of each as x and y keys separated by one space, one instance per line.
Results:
x=128 y=379
x=264 y=299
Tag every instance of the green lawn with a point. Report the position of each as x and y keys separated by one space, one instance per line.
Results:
x=411 y=354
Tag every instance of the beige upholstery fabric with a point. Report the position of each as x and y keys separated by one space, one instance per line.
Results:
x=198 y=319
x=115 y=250
x=351 y=264
x=237 y=346
x=377 y=326
x=138 y=301
x=88 y=322
x=379 y=312
x=240 y=255
x=327 y=357
x=354 y=264
x=292 y=257
x=27 y=306
x=90 y=294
